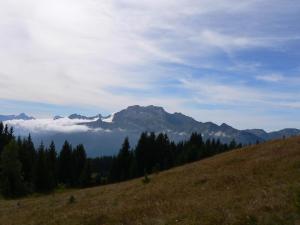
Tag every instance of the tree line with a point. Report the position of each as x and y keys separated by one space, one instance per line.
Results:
x=25 y=169
x=155 y=153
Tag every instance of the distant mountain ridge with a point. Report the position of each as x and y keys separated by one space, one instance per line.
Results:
x=21 y=116
x=152 y=118
x=105 y=134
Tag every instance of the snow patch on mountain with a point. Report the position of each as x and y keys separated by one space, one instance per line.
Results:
x=108 y=119
x=220 y=134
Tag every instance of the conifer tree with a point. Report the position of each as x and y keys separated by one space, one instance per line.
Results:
x=42 y=172
x=78 y=163
x=51 y=157
x=86 y=175
x=124 y=161
x=11 y=180
x=28 y=157
x=140 y=154
x=232 y=144
x=65 y=164
x=1 y=137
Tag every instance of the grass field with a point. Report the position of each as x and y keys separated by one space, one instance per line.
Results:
x=253 y=185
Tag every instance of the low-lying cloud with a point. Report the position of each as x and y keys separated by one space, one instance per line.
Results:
x=64 y=125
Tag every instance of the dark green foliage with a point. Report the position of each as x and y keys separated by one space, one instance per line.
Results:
x=24 y=169
x=155 y=153
x=79 y=164
x=145 y=158
x=27 y=155
x=122 y=164
x=146 y=179
x=6 y=136
x=71 y=199
x=51 y=157
x=250 y=220
x=12 y=183
x=86 y=175
x=43 y=180
x=65 y=164
x=233 y=144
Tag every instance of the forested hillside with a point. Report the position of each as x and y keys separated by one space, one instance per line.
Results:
x=256 y=185
x=25 y=170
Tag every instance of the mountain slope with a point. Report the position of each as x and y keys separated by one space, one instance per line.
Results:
x=136 y=119
x=253 y=185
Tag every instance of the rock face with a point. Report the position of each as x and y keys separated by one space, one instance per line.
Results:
x=104 y=135
x=77 y=116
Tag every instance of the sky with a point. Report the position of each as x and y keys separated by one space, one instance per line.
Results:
x=233 y=61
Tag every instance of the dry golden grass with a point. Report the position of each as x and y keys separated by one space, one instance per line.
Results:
x=253 y=185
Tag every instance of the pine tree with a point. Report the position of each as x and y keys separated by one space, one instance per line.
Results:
x=42 y=172
x=1 y=137
x=6 y=136
x=11 y=180
x=144 y=153
x=51 y=157
x=28 y=157
x=86 y=175
x=65 y=173
x=162 y=152
x=114 y=170
x=78 y=163
x=140 y=154
x=232 y=144
x=124 y=161
x=194 y=148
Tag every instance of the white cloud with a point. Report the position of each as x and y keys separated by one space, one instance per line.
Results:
x=240 y=95
x=75 y=52
x=271 y=77
x=226 y=42
x=64 y=125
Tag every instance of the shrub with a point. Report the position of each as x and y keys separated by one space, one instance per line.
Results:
x=146 y=179
x=71 y=199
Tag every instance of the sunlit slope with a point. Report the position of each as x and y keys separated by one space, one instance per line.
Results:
x=253 y=185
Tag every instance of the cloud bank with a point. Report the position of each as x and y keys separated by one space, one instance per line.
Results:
x=64 y=125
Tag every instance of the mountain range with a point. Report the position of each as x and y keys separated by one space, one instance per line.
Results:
x=104 y=135
x=21 y=116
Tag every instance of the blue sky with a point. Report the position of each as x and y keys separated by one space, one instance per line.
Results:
x=230 y=61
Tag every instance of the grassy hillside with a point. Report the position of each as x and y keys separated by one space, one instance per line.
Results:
x=253 y=185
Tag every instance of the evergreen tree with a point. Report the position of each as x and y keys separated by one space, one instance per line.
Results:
x=86 y=175
x=78 y=163
x=194 y=148
x=42 y=172
x=114 y=170
x=51 y=157
x=6 y=136
x=144 y=153
x=124 y=159
x=1 y=137
x=28 y=157
x=232 y=144
x=140 y=154
x=65 y=164
x=163 y=153
x=11 y=180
